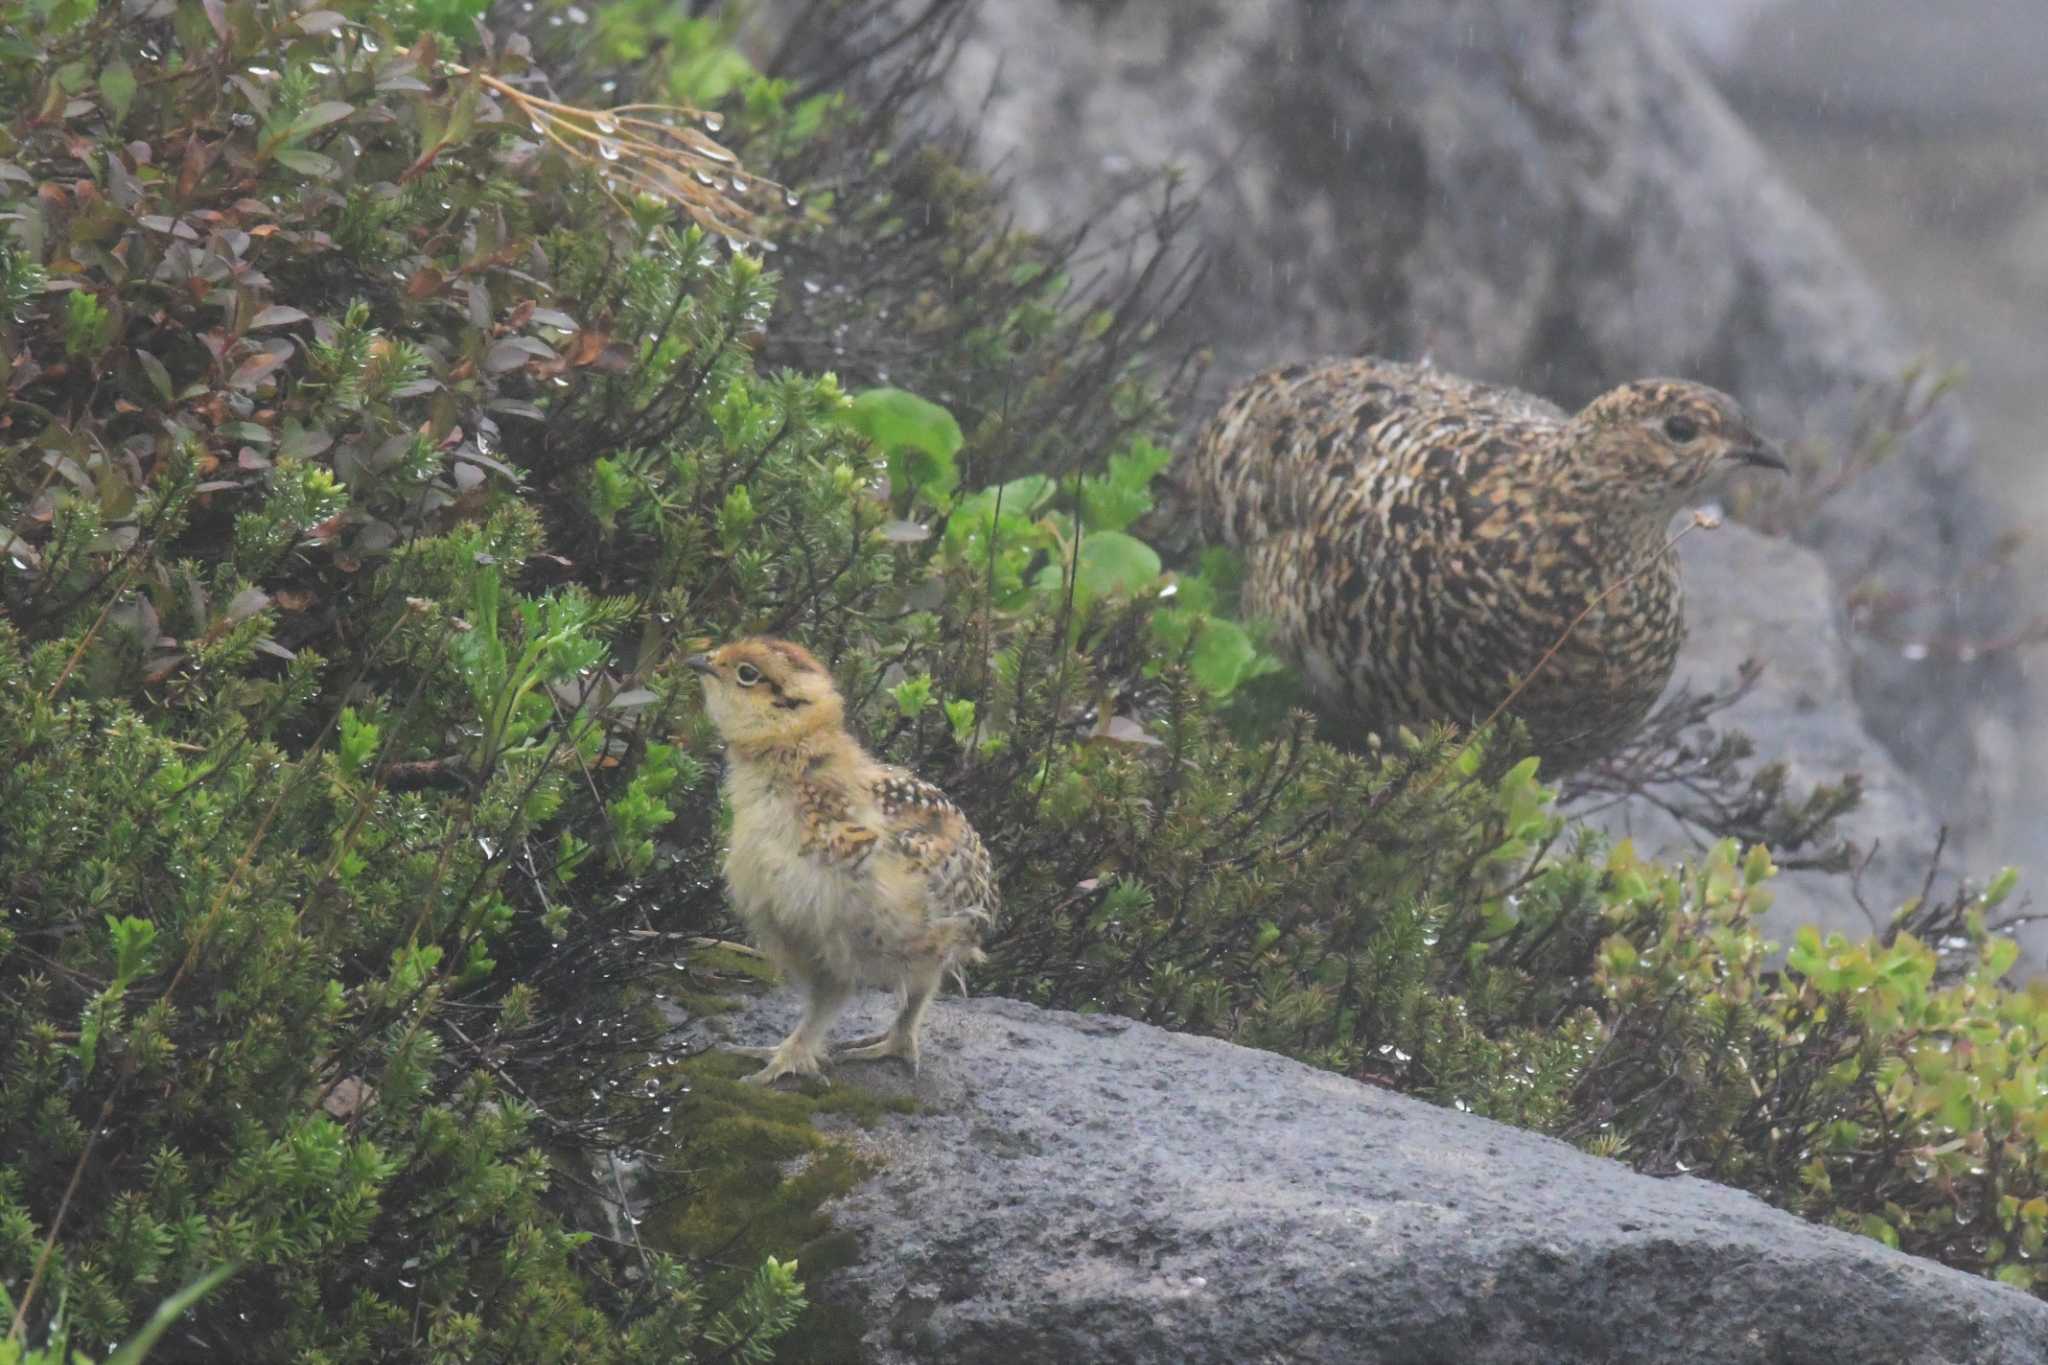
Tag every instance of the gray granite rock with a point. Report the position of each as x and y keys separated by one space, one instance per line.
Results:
x=1751 y=596
x=1546 y=194
x=1076 y=1188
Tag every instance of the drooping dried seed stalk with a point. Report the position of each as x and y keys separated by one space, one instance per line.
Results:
x=653 y=149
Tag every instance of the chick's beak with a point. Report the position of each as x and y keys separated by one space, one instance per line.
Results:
x=700 y=663
x=1760 y=454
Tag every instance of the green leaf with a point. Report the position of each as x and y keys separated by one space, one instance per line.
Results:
x=318 y=117
x=308 y=163
x=1107 y=506
x=1022 y=496
x=1805 y=955
x=895 y=418
x=358 y=741
x=960 y=715
x=736 y=517
x=303 y=443
x=2001 y=886
x=918 y=437
x=1222 y=656
x=705 y=77
x=117 y=88
x=1193 y=595
x=1112 y=562
x=1222 y=569
x=453 y=18
x=1004 y=513
x=1113 y=501
x=134 y=938
x=159 y=377
x=913 y=695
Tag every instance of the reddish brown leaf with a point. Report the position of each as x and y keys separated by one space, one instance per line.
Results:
x=197 y=158
x=255 y=369
x=514 y=352
x=276 y=315
x=1124 y=730
x=350 y=1094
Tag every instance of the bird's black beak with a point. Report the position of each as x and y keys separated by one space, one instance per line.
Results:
x=1761 y=455
x=700 y=662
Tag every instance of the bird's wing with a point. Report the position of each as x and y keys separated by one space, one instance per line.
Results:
x=935 y=845
x=832 y=831
x=898 y=829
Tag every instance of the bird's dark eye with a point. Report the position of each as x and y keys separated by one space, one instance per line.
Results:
x=1681 y=429
x=747 y=674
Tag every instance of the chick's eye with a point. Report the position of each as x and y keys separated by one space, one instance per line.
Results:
x=1681 y=429
x=747 y=674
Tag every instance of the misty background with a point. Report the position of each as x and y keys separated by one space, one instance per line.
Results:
x=1921 y=132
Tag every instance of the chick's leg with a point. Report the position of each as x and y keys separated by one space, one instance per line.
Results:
x=803 y=1052
x=901 y=1039
x=870 y=1039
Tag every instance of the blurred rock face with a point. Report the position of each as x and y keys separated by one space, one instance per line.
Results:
x=1964 y=60
x=1714 y=29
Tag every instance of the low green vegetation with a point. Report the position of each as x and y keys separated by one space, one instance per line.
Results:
x=373 y=448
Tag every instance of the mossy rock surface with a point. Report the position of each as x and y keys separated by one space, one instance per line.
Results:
x=752 y=1167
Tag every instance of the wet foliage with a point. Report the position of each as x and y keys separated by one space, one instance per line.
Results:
x=368 y=464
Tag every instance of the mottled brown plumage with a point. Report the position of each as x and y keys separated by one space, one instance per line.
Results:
x=849 y=872
x=1420 y=541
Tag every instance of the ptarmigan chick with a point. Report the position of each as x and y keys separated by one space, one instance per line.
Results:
x=849 y=872
x=1421 y=541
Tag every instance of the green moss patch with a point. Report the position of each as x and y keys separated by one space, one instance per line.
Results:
x=759 y=1172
